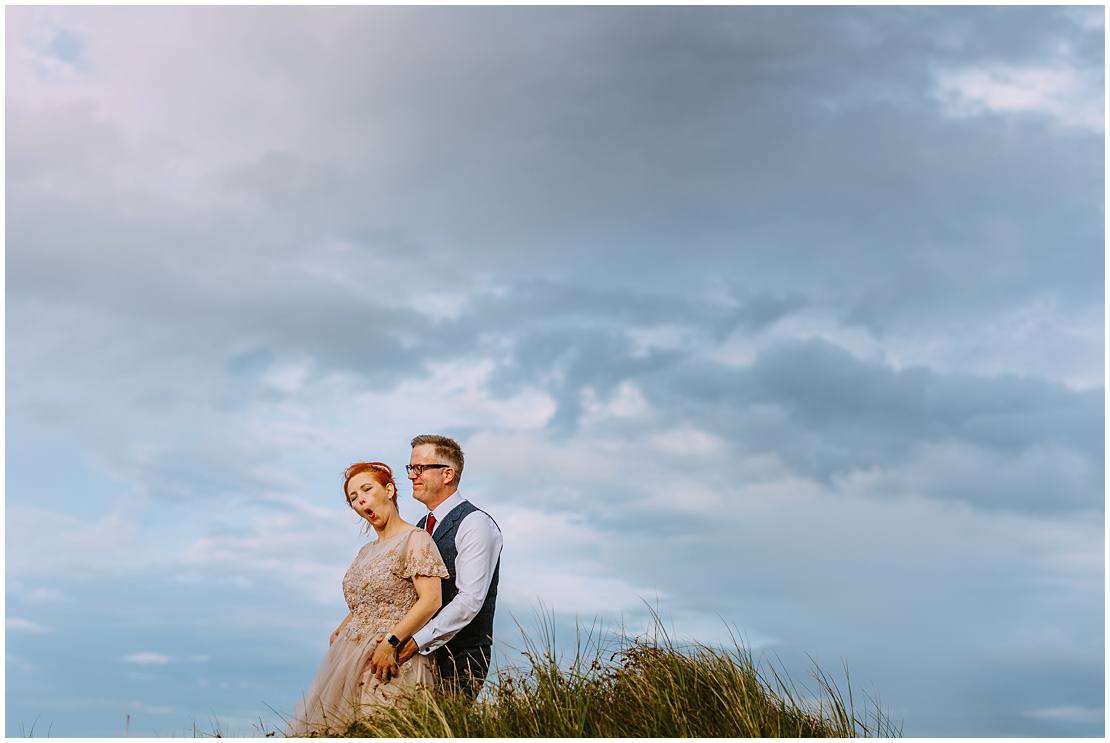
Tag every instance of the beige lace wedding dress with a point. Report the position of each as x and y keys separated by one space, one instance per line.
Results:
x=379 y=591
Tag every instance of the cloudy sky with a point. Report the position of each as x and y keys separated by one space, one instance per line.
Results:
x=783 y=320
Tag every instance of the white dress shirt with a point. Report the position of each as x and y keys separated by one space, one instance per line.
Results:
x=478 y=542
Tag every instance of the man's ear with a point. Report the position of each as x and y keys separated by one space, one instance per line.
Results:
x=448 y=480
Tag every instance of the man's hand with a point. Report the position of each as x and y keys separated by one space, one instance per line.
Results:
x=384 y=662
x=407 y=651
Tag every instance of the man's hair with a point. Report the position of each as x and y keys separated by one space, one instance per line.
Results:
x=448 y=451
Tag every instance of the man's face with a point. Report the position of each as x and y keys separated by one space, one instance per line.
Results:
x=428 y=487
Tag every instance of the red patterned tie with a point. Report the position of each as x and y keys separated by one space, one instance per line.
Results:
x=431 y=525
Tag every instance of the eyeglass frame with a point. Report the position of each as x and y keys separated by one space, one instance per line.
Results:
x=421 y=467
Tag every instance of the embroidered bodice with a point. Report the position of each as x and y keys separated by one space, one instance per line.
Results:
x=378 y=585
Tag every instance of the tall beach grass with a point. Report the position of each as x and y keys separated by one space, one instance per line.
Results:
x=616 y=685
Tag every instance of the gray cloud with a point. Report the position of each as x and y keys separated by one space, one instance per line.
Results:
x=622 y=148
x=815 y=405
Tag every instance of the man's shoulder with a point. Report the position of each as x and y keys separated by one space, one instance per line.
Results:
x=476 y=516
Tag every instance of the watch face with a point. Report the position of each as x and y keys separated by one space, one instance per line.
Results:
x=394 y=641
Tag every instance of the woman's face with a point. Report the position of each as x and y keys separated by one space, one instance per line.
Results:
x=370 y=499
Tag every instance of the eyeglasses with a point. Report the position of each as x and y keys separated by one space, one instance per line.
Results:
x=418 y=469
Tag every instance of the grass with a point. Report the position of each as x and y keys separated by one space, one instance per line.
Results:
x=31 y=733
x=631 y=687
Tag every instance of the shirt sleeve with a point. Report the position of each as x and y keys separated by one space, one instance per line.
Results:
x=479 y=542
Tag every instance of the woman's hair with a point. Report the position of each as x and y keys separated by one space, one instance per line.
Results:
x=380 y=471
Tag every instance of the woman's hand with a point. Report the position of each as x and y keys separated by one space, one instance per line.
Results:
x=405 y=652
x=384 y=662
x=335 y=635
x=429 y=597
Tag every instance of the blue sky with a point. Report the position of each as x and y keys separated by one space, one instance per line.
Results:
x=788 y=319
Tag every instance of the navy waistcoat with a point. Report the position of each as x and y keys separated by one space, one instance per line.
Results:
x=479 y=633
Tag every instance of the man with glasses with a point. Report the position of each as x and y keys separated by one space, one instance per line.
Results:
x=461 y=633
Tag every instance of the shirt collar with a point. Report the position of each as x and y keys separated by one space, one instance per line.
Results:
x=446 y=506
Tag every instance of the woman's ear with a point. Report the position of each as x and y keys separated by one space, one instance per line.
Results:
x=391 y=490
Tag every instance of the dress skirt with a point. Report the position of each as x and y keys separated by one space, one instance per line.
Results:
x=345 y=687
x=379 y=591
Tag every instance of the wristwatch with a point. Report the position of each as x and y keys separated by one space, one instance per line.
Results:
x=393 y=640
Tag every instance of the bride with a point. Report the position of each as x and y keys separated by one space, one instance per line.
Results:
x=392 y=589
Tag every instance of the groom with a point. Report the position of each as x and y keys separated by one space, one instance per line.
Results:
x=461 y=634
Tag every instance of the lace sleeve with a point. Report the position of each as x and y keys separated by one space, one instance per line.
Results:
x=421 y=557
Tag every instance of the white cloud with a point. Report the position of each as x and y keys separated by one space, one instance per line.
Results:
x=1089 y=18
x=1069 y=95
x=572 y=592
x=740 y=349
x=39 y=595
x=147 y=658
x=15 y=624
x=686 y=442
x=557 y=560
x=303 y=547
x=51 y=543
x=1045 y=476
x=667 y=337
x=288 y=377
x=626 y=401
x=1070 y=713
x=1038 y=338
x=43 y=595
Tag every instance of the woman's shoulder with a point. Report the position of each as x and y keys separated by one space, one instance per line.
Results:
x=418 y=537
x=407 y=539
x=421 y=556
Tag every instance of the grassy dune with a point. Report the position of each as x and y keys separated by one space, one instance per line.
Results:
x=630 y=688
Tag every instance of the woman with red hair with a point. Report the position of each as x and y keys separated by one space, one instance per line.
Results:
x=392 y=590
